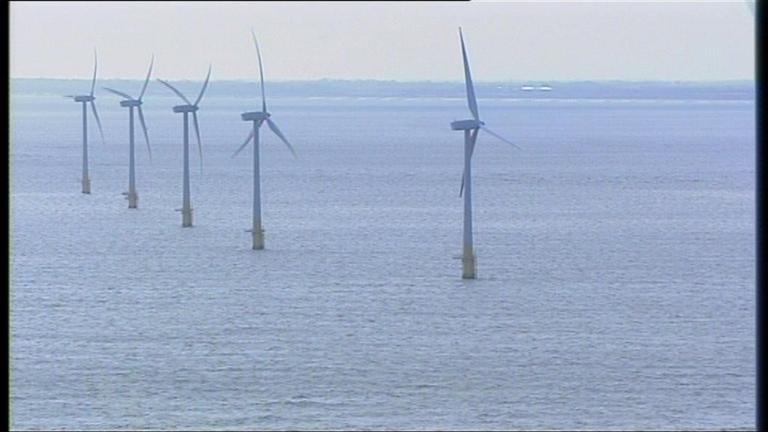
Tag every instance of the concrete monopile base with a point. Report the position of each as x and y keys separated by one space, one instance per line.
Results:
x=258 y=239
x=468 y=266
x=86 y=185
x=186 y=217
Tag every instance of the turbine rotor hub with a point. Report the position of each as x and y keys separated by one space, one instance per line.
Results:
x=84 y=98
x=130 y=103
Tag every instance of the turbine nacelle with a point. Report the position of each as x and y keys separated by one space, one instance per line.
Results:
x=84 y=98
x=255 y=116
x=130 y=103
x=185 y=108
x=466 y=124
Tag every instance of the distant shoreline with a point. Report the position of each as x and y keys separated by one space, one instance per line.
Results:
x=427 y=82
x=709 y=90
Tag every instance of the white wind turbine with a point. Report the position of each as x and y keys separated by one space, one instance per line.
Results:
x=84 y=100
x=189 y=107
x=131 y=103
x=470 y=127
x=258 y=118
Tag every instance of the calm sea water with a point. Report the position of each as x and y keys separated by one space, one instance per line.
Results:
x=615 y=268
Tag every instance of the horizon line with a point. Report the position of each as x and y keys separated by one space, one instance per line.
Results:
x=410 y=81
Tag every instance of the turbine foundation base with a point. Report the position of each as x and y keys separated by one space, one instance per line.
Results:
x=186 y=217
x=258 y=238
x=468 y=265
x=133 y=200
x=86 y=185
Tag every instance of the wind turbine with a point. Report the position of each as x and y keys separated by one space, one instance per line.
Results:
x=84 y=100
x=131 y=103
x=258 y=118
x=471 y=128
x=186 y=209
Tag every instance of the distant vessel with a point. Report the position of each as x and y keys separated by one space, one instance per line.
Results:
x=543 y=87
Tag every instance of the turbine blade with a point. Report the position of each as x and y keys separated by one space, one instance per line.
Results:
x=119 y=93
x=471 y=100
x=247 y=140
x=205 y=84
x=69 y=96
x=144 y=87
x=144 y=128
x=178 y=93
x=199 y=144
x=261 y=73
x=472 y=141
x=500 y=137
x=98 y=121
x=95 y=64
x=280 y=135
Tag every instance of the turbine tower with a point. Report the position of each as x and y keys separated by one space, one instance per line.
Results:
x=258 y=118
x=186 y=209
x=131 y=103
x=471 y=127
x=84 y=100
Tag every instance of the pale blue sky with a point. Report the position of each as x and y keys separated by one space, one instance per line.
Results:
x=643 y=40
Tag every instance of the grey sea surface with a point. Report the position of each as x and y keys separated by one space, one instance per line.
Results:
x=615 y=256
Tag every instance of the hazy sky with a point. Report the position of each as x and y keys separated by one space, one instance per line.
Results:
x=537 y=41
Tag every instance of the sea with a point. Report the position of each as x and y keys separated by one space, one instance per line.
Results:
x=615 y=260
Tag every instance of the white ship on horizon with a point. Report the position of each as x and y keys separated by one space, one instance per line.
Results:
x=542 y=87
